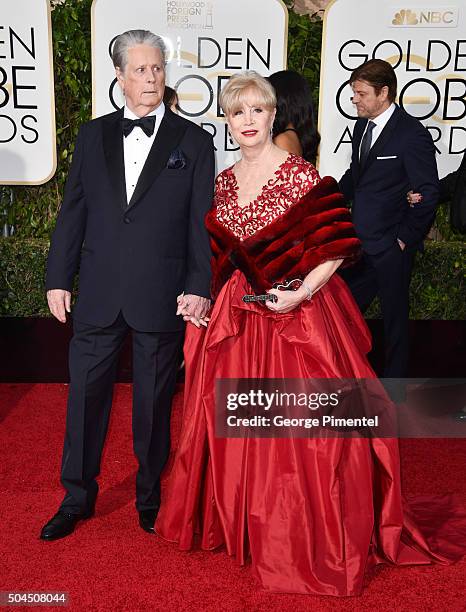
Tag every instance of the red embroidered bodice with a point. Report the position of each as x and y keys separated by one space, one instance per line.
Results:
x=294 y=177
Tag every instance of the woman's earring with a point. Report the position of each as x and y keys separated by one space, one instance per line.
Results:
x=230 y=138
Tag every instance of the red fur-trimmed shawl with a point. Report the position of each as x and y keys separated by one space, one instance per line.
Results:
x=316 y=229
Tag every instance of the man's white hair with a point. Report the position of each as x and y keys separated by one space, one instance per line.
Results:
x=131 y=38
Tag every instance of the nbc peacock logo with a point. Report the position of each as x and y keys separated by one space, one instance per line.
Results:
x=405 y=17
x=447 y=17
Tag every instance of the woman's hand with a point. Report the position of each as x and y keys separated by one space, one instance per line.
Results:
x=413 y=198
x=287 y=300
x=313 y=282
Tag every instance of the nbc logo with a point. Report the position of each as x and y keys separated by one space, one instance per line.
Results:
x=446 y=18
x=405 y=17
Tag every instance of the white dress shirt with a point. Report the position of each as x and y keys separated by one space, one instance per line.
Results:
x=380 y=122
x=136 y=147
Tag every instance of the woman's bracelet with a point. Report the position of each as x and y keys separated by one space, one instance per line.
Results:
x=308 y=290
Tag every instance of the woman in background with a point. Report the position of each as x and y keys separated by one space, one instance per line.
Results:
x=294 y=129
x=170 y=99
x=453 y=190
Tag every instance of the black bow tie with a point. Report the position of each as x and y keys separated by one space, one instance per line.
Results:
x=147 y=124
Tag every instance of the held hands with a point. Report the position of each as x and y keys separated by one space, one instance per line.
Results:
x=287 y=300
x=59 y=301
x=413 y=198
x=193 y=308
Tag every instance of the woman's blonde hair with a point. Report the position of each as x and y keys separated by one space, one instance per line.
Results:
x=233 y=94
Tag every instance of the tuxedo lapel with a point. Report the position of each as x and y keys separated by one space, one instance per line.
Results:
x=170 y=132
x=383 y=138
x=113 y=151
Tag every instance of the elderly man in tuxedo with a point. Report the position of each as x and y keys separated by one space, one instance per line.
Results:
x=392 y=153
x=132 y=222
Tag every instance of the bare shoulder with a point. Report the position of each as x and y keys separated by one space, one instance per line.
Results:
x=289 y=141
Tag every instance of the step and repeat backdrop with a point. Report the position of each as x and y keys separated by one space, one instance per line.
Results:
x=209 y=40
x=426 y=44
x=27 y=104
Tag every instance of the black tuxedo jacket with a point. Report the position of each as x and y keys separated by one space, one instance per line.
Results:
x=402 y=158
x=134 y=258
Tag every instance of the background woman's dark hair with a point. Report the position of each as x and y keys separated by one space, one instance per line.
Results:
x=295 y=106
x=169 y=96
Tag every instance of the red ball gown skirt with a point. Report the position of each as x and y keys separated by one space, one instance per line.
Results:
x=312 y=514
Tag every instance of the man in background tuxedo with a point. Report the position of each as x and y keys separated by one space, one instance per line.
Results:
x=392 y=153
x=132 y=221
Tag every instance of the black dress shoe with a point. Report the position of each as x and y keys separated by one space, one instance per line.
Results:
x=147 y=519
x=62 y=525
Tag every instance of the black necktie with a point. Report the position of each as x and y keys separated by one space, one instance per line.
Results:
x=366 y=144
x=147 y=124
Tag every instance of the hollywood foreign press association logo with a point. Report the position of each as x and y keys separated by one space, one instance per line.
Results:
x=190 y=14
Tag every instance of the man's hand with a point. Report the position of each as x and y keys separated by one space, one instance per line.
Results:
x=193 y=308
x=401 y=244
x=59 y=301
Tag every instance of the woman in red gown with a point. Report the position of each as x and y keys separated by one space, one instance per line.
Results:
x=312 y=514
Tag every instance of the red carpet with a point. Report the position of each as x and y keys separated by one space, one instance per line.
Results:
x=109 y=563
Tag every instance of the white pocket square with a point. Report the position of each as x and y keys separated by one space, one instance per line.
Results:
x=387 y=157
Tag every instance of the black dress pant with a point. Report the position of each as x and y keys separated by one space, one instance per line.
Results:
x=93 y=358
x=388 y=275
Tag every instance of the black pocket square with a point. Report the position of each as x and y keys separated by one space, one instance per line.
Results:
x=176 y=161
